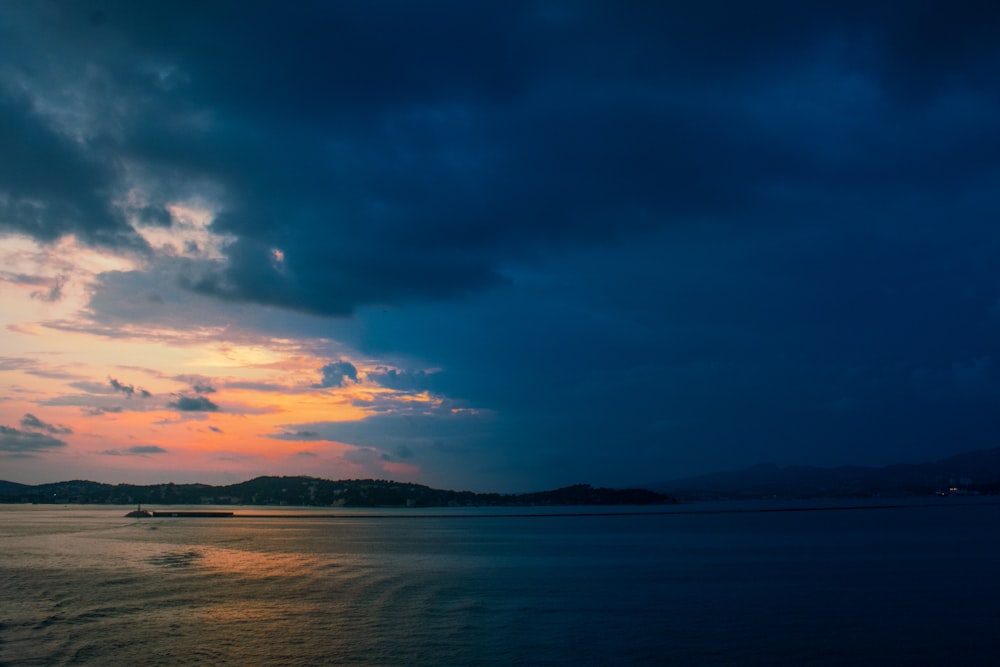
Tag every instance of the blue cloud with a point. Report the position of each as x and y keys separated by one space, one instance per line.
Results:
x=337 y=374
x=193 y=404
x=31 y=422
x=138 y=450
x=17 y=442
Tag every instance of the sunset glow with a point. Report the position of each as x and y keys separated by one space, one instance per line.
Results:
x=208 y=402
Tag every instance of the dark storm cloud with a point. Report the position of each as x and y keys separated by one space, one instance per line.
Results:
x=50 y=186
x=402 y=380
x=408 y=153
x=31 y=422
x=686 y=352
x=154 y=215
x=15 y=441
x=193 y=404
x=337 y=374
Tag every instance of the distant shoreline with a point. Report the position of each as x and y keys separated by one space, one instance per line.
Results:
x=316 y=492
x=540 y=515
x=688 y=508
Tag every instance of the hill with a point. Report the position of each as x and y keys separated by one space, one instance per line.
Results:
x=313 y=491
x=971 y=472
x=8 y=488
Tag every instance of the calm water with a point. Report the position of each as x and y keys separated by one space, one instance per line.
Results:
x=890 y=586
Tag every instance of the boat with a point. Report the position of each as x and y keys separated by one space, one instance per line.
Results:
x=138 y=513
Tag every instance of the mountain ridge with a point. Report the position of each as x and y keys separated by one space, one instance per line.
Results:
x=314 y=491
x=976 y=471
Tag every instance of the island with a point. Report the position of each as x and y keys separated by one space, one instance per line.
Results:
x=315 y=492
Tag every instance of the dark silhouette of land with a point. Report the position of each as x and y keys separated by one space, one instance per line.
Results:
x=976 y=472
x=315 y=492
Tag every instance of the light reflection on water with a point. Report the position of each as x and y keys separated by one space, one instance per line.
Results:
x=84 y=585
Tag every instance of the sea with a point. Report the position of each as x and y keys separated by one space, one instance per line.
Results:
x=913 y=582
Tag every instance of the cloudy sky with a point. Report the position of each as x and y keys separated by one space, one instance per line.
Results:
x=495 y=245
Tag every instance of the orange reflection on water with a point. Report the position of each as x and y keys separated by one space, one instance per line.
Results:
x=261 y=565
x=253 y=611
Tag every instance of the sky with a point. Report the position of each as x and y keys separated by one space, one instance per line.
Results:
x=498 y=246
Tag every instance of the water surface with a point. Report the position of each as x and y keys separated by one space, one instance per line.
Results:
x=700 y=584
